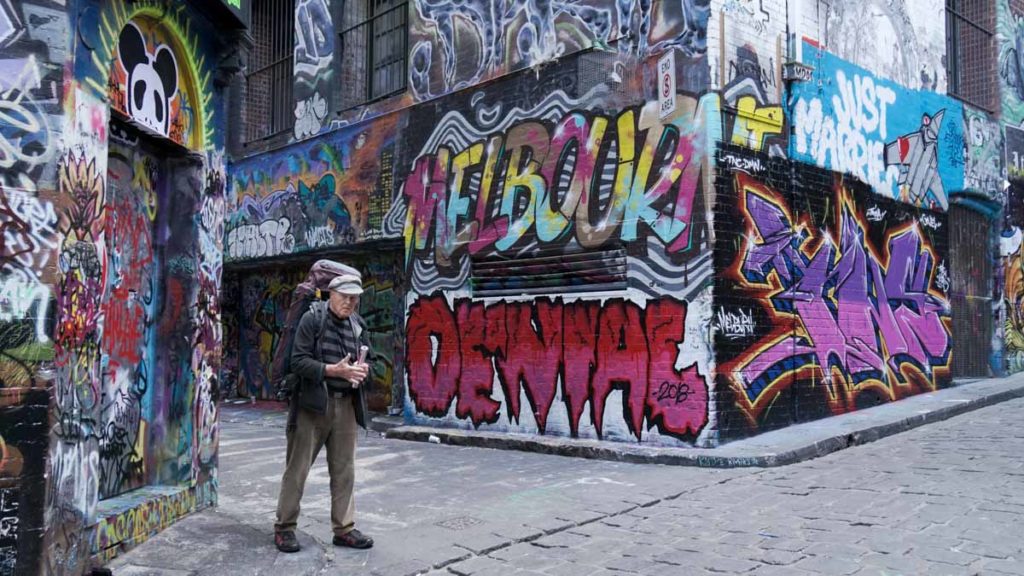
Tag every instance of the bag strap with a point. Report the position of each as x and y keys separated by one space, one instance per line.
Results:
x=323 y=313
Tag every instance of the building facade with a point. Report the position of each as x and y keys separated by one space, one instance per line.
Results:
x=678 y=222
x=674 y=222
x=112 y=150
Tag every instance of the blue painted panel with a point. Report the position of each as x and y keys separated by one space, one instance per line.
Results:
x=907 y=144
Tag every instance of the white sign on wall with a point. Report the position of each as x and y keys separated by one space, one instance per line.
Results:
x=667 y=84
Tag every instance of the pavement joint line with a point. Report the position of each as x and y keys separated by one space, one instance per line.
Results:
x=446 y=563
x=533 y=537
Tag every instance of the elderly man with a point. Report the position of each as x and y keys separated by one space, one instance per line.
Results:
x=327 y=358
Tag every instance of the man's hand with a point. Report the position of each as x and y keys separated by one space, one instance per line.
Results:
x=354 y=372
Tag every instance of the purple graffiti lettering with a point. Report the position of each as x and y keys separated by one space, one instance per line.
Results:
x=856 y=314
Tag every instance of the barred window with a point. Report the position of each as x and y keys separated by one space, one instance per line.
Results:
x=268 y=109
x=374 y=46
x=970 y=52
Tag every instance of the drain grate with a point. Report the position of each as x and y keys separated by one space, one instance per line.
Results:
x=459 y=522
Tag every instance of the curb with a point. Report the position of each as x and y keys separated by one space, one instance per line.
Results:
x=958 y=400
x=384 y=423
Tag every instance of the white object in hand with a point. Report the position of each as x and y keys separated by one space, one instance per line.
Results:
x=363 y=350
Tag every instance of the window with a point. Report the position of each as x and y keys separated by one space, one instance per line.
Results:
x=970 y=52
x=269 y=109
x=374 y=47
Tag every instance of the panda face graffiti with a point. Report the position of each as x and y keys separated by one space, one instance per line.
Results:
x=152 y=81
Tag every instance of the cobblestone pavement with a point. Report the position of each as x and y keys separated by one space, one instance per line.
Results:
x=944 y=499
x=947 y=498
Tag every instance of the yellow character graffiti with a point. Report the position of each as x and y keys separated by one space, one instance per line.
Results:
x=755 y=123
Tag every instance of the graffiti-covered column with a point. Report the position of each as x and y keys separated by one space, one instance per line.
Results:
x=125 y=416
x=208 y=338
x=1010 y=269
x=73 y=477
x=31 y=116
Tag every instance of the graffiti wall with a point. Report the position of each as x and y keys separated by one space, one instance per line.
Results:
x=313 y=65
x=32 y=56
x=901 y=40
x=1010 y=269
x=457 y=44
x=830 y=298
x=598 y=349
x=1010 y=35
x=31 y=87
x=133 y=180
x=325 y=193
x=121 y=416
x=984 y=165
x=907 y=144
x=748 y=72
x=261 y=315
x=1010 y=280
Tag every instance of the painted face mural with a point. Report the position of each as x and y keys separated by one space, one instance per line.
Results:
x=152 y=79
x=157 y=80
x=832 y=301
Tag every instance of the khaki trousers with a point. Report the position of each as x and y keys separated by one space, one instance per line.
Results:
x=337 y=430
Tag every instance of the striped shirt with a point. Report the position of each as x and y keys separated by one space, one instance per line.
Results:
x=338 y=340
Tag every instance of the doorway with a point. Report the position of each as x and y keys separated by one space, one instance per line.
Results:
x=970 y=294
x=136 y=179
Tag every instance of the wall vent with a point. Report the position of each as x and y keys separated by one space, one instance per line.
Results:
x=550 y=272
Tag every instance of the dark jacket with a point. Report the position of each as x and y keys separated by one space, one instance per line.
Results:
x=311 y=394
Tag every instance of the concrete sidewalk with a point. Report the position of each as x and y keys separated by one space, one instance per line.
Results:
x=777 y=448
x=448 y=509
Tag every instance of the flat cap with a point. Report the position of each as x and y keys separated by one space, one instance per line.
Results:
x=349 y=284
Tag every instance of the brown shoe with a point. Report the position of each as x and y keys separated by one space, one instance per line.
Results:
x=354 y=539
x=286 y=541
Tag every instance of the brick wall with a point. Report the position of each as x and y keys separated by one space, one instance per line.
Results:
x=746 y=41
x=829 y=298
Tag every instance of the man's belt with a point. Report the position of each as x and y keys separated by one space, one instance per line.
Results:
x=340 y=393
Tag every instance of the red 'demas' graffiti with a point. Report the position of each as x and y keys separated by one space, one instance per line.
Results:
x=591 y=348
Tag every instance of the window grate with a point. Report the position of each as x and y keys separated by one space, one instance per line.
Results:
x=375 y=52
x=970 y=52
x=269 y=109
x=548 y=272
